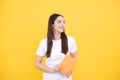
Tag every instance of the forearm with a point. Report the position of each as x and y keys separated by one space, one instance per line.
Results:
x=44 y=68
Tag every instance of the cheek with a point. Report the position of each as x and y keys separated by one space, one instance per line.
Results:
x=56 y=26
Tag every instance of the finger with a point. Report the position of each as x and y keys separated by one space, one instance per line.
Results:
x=56 y=69
x=67 y=75
x=58 y=66
x=71 y=72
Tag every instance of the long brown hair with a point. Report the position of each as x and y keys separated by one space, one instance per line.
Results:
x=50 y=36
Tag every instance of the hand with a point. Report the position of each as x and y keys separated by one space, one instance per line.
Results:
x=68 y=74
x=56 y=68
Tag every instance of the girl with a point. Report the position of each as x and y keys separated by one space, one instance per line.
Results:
x=55 y=47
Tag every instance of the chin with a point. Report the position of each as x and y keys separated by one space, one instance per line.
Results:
x=61 y=31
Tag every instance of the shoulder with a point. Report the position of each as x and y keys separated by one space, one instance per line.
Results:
x=43 y=41
x=70 y=38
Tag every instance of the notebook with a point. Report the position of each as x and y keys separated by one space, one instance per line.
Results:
x=67 y=65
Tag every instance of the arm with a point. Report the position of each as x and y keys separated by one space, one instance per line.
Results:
x=38 y=64
x=73 y=55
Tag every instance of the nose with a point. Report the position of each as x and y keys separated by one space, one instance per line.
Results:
x=63 y=25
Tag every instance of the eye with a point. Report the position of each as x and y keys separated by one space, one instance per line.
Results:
x=59 y=21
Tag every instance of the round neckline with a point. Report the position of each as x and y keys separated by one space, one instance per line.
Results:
x=56 y=40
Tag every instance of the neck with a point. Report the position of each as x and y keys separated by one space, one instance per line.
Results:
x=57 y=36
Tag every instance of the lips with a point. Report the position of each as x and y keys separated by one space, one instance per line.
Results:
x=61 y=27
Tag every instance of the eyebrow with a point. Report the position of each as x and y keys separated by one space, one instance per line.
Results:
x=61 y=20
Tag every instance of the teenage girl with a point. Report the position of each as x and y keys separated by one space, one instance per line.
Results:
x=55 y=47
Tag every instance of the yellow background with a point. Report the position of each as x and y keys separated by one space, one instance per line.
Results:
x=95 y=25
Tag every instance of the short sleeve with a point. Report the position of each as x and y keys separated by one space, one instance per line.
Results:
x=41 y=48
x=73 y=45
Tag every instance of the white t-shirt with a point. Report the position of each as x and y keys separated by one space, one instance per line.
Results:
x=56 y=56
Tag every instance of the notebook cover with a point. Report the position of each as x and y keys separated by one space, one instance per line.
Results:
x=68 y=64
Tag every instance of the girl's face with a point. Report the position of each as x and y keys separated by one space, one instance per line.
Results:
x=59 y=24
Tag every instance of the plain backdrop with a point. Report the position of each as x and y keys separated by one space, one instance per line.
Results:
x=94 y=24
